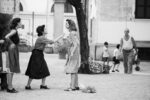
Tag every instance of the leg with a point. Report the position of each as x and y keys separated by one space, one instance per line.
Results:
x=113 y=70
x=117 y=67
x=130 y=62
x=107 y=61
x=103 y=63
x=9 y=80
x=76 y=81
x=43 y=81
x=125 y=60
x=72 y=85
x=28 y=87
x=43 y=86
x=29 y=82
x=10 y=88
x=3 y=81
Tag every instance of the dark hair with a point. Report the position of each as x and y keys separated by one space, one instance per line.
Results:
x=40 y=30
x=118 y=45
x=72 y=25
x=14 y=23
x=105 y=43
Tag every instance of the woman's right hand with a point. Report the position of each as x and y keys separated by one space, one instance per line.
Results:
x=51 y=41
x=1 y=41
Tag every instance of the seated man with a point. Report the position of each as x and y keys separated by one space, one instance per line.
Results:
x=3 y=78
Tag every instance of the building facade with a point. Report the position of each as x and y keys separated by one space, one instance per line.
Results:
x=42 y=13
x=109 y=19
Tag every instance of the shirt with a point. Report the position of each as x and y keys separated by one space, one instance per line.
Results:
x=116 y=53
x=127 y=44
x=105 y=52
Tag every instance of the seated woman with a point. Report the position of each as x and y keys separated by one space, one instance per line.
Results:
x=3 y=77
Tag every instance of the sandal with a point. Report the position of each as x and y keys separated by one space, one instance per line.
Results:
x=69 y=89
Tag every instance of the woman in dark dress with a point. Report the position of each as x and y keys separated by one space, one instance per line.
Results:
x=37 y=66
x=12 y=56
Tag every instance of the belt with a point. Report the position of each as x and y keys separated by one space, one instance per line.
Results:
x=127 y=50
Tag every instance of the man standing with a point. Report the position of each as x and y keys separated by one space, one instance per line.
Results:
x=127 y=44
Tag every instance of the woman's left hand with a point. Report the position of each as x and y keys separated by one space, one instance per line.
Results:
x=71 y=54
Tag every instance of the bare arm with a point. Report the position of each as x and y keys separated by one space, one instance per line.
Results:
x=10 y=34
x=1 y=41
x=133 y=41
x=121 y=43
x=47 y=41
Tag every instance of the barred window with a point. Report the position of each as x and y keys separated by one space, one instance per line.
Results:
x=142 y=9
x=20 y=7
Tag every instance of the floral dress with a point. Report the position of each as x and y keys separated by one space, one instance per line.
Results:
x=73 y=61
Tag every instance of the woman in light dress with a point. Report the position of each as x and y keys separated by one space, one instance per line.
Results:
x=73 y=60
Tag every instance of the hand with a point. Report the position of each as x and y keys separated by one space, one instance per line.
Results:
x=51 y=42
x=1 y=41
x=6 y=37
x=71 y=54
x=0 y=69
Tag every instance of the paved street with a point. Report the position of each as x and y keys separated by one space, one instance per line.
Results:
x=113 y=86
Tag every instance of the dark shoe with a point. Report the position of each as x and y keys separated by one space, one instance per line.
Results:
x=113 y=71
x=28 y=87
x=117 y=70
x=77 y=88
x=43 y=87
x=3 y=88
x=12 y=90
x=69 y=89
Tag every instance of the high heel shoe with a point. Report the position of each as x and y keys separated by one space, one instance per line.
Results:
x=77 y=88
x=28 y=87
x=12 y=90
x=43 y=87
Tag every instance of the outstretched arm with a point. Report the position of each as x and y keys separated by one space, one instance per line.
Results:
x=47 y=41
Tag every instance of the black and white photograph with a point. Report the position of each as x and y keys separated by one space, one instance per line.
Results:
x=74 y=49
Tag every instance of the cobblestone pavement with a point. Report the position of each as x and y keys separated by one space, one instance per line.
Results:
x=113 y=86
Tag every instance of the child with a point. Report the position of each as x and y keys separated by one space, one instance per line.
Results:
x=105 y=55
x=105 y=59
x=37 y=67
x=116 y=60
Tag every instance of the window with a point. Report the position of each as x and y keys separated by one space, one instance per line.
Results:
x=67 y=8
x=20 y=7
x=142 y=9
